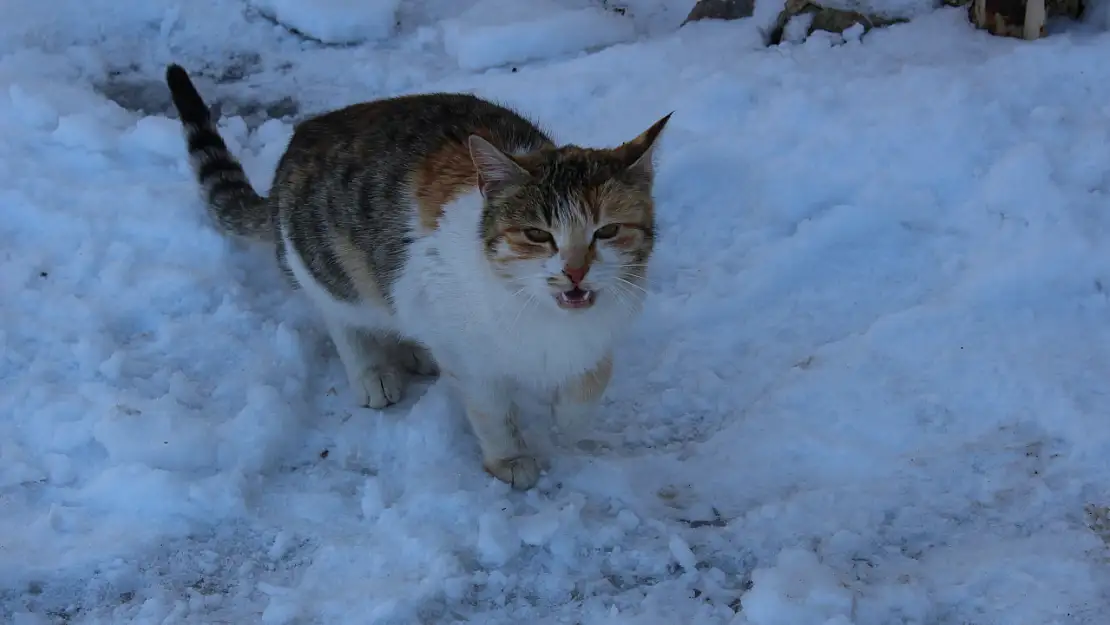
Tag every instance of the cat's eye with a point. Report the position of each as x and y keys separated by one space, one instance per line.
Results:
x=535 y=235
x=607 y=232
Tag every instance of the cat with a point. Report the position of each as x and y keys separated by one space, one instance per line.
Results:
x=441 y=233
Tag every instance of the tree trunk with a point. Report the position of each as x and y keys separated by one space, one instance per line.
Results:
x=1022 y=19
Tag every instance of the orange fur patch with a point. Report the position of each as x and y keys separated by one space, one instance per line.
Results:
x=589 y=385
x=355 y=264
x=526 y=250
x=443 y=176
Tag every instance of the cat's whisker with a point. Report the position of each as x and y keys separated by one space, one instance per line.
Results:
x=639 y=272
x=626 y=303
x=631 y=284
x=520 y=313
x=623 y=296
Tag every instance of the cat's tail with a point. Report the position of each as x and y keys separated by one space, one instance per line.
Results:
x=232 y=201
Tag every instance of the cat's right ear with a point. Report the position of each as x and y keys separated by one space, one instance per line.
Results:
x=638 y=153
x=496 y=170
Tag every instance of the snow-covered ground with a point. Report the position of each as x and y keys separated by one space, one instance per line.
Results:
x=869 y=388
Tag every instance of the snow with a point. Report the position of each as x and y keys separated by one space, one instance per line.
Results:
x=905 y=9
x=868 y=387
x=797 y=588
x=499 y=32
x=335 y=21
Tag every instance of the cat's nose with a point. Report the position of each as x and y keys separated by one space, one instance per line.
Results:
x=576 y=274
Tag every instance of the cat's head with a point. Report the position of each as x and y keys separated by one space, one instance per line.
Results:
x=570 y=226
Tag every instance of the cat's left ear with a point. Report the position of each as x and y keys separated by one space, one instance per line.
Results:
x=639 y=152
x=495 y=169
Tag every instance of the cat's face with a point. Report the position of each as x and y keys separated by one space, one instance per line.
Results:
x=572 y=250
x=571 y=228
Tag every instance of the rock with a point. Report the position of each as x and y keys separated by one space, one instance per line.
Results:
x=720 y=10
x=826 y=19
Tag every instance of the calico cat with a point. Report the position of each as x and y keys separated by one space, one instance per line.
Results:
x=441 y=233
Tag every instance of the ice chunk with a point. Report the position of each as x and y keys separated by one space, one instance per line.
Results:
x=156 y=135
x=798 y=589
x=280 y=612
x=85 y=131
x=283 y=542
x=260 y=433
x=497 y=541
x=680 y=549
x=628 y=520
x=32 y=109
x=373 y=501
x=537 y=529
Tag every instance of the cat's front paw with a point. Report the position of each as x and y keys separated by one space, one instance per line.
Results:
x=378 y=387
x=521 y=472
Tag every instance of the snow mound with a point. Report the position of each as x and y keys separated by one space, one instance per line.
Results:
x=498 y=32
x=335 y=21
x=797 y=589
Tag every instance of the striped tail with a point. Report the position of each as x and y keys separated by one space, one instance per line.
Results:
x=232 y=201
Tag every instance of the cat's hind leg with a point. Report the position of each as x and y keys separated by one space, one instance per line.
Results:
x=375 y=378
x=355 y=323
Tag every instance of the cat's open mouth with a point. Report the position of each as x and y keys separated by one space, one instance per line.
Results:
x=575 y=298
